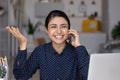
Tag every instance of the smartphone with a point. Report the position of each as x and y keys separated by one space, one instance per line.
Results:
x=71 y=38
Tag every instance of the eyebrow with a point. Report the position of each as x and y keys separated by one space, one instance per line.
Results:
x=65 y=24
x=56 y=24
x=52 y=24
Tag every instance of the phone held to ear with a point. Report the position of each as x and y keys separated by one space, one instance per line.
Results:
x=71 y=38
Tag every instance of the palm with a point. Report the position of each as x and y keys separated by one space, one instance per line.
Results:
x=16 y=33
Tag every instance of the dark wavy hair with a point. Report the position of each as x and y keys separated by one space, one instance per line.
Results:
x=56 y=13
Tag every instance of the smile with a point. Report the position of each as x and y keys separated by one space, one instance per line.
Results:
x=59 y=36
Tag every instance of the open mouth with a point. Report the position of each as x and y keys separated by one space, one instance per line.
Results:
x=59 y=37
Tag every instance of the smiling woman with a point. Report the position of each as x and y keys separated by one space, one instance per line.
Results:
x=57 y=60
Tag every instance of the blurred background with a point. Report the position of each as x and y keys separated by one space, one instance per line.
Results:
x=97 y=21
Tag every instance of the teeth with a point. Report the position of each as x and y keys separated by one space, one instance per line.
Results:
x=58 y=37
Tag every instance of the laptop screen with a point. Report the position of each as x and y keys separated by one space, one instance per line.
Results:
x=104 y=66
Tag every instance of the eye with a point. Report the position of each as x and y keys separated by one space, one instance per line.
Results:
x=64 y=26
x=53 y=27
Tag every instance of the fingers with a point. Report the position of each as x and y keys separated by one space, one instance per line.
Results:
x=18 y=31
x=14 y=31
x=73 y=31
x=76 y=41
x=9 y=29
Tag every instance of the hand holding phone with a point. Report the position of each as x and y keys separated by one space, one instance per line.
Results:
x=74 y=38
x=71 y=38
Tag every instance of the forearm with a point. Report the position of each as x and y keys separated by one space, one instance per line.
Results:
x=83 y=61
x=19 y=63
x=24 y=68
x=20 y=58
x=83 y=55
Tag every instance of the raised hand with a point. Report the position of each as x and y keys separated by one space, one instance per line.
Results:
x=17 y=34
x=76 y=41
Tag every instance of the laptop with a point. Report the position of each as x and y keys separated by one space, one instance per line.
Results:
x=104 y=66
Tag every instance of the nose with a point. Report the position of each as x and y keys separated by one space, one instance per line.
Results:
x=59 y=30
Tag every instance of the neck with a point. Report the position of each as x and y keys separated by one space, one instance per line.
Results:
x=59 y=47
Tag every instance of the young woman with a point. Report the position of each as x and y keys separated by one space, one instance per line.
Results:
x=57 y=60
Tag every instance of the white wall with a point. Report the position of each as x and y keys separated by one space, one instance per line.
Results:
x=74 y=9
x=29 y=10
x=114 y=14
x=69 y=9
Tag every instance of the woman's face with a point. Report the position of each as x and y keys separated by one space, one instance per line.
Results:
x=58 y=30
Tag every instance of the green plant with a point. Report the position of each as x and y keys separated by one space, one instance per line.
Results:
x=30 y=27
x=116 y=31
x=2 y=71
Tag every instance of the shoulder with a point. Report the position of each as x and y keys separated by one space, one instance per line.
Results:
x=42 y=47
x=81 y=47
